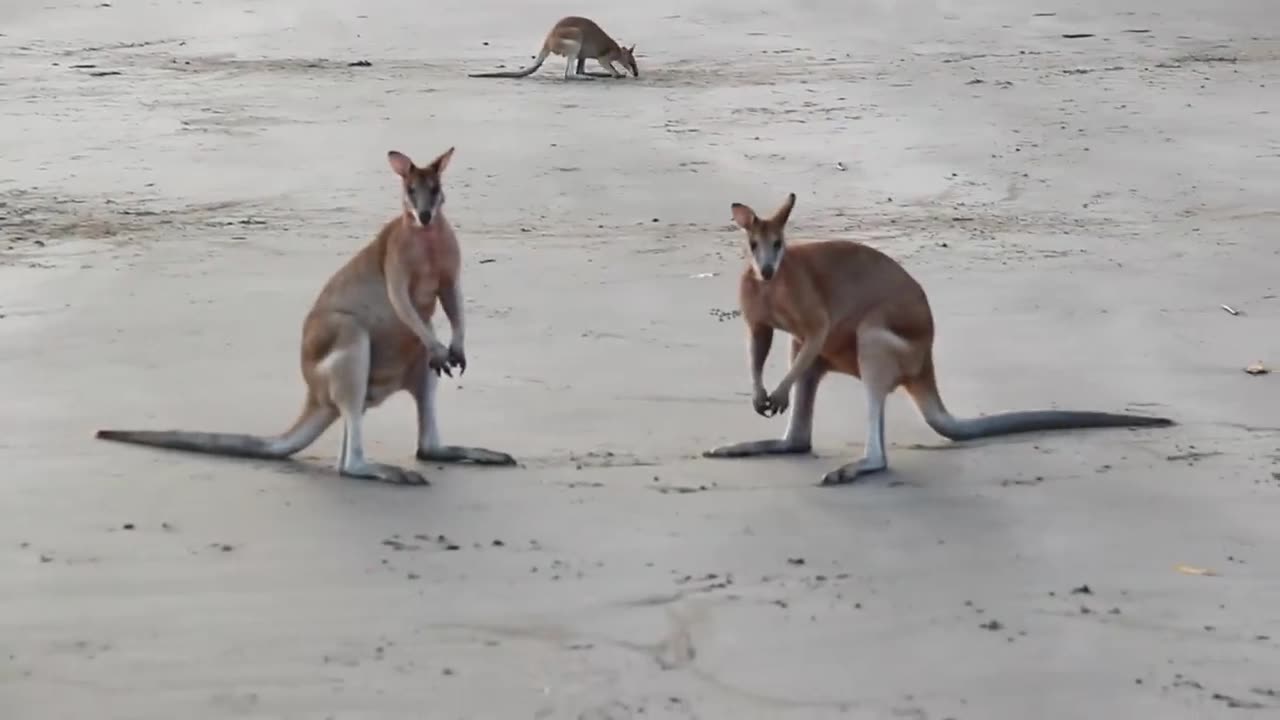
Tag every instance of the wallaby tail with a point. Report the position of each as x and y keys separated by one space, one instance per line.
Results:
x=524 y=72
x=313 y=421
x=924 y=390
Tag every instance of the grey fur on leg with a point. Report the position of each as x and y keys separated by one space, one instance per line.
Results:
x=798 y=439
x=348 y=372
x=429 y=447
x=879 y=376
x=874 y=459
x=572 y=69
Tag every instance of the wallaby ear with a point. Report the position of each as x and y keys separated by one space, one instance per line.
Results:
x=632 y=48
x=744 y=216
x=400 y=163
x=442 y=162
x=784 y=212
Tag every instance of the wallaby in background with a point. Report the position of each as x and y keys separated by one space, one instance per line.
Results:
x=577 y=39
x=368 y=336
x=851 y=309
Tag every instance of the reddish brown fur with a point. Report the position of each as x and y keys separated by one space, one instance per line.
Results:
x=369 y=335
x=579 y=39
x=868 y=287
x=433 y=258
x=854 y=310
x=594 y=40
x=861 y=286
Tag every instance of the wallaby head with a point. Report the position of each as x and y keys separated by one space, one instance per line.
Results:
x=626 y=56
x=765 y=238
x=423 y=191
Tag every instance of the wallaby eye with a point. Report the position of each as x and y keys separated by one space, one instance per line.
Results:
x=753 y=244
x=777 y=244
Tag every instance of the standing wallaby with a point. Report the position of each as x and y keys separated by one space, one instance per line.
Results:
x=851 y=309
x=578 y=38
x=368 y=336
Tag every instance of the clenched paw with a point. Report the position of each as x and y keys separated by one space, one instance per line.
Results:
x=760 y=402
x=779 y=401
x=438 y=359
x=458 y=358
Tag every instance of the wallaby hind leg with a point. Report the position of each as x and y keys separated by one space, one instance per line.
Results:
x=347 y=371
x=879 y=364
x=574 y=62
x=429 y=447
x=798 y=438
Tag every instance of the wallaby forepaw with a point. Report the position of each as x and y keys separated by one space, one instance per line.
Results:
x=770 y=404
x=458 y=358
x=439 y=364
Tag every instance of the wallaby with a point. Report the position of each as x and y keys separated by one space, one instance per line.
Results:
x=578 y=38
x=368 y=336
x=851 y=309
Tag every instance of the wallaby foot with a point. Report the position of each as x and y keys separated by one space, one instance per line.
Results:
x=879 y=358
x=459 y=454
x=759 y=447
x=383 y=473
x=846 y=474
x=429 y=447
x=573 y=69
x=347 y=371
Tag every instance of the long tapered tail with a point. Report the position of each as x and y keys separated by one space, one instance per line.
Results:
x=524 y=72
x=924 y=390
x=313 y=421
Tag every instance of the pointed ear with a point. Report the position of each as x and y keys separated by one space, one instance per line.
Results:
x=632 y=48
x=400 y=163
x=442 y=162
x=744 y=216
x=784 y=212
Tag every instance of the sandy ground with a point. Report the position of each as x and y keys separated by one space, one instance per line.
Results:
x=1078 y=208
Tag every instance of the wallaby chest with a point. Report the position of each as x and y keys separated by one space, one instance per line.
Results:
x=433 y=259
x=770 y=303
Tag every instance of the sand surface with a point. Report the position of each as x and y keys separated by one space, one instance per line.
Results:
x=1078 y=209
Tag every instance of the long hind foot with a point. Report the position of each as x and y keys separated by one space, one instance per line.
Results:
x=759 y=447
x=846 y=474
x=384 y=473
x=459 y=454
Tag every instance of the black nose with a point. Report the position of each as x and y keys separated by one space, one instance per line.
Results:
x=424 y=218
x=766 y=272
